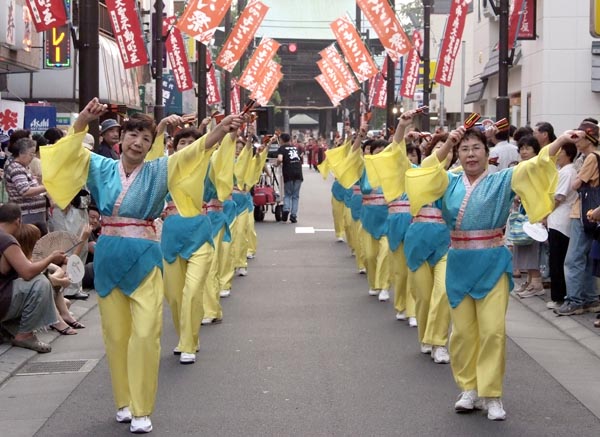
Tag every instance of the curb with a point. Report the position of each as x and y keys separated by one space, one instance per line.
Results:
x=13 y=358
x=579 y=328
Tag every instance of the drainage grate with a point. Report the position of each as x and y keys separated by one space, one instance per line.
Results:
x=48 y=367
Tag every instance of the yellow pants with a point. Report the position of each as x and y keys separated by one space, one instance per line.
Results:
x=186 y=282
x=350 y=239
x=359 y=253
x=211 y=298
x=376 y=255
x=403 y=297
x=337 y=209
x=478 y=341
x=431 y=301
x=251 y=234
x=239 y=241
x=131 y=327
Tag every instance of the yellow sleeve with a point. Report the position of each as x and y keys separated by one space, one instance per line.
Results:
x=387 y=170
x=425 y=185
x=333 y=157
x=350 y=169
x=256 y=167
x=240 y=166
x=221 y=170
x=535 y=182
x=186 y=172
x=65 y=167
x=158 y=148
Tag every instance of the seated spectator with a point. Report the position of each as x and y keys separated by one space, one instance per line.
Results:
x=96 y=229
x=25 y=294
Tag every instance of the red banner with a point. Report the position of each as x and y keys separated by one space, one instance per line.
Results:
x=528 y=19
x=411 y=72
x=234 y=97
x=175 y=49
x=268 y=83
x=451 y=42
x=47 y=14
x=212 y=87
x=354 y=50
x=202 y=17
x=380 y=93
x=514 y=21
x=322 y=80
x=241 y=35
x=331 y=57
x=387 y=27
x=128 y=32
x=258 y=63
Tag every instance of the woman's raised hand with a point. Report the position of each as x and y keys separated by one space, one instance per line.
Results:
x=92 y=111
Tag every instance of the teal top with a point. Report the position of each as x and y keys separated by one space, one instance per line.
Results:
x=397 y=224
x=373 y=217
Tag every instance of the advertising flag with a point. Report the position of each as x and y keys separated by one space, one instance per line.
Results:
x=451 y=42
x=354 y=50
x=201 y=18
x=128 y=32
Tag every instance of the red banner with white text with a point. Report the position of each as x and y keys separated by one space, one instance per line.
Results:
x=212 y=87
x=128 y=32
x=411 y=72
x=322 y=80
x=333 y=80
x=268 y=83
x=241 y=35
x=514 y=21
x=332 y=58
x=528 y=20
x=380 y=93
x=451 y=42
x=235 y=97
x=354 y=50
x=258 y=63
x=387 y=27
x=175 y=49
x=201 y=18
x=47 y=14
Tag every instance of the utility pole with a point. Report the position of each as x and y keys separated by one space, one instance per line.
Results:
x=227 y=78
x=427 y=5
x=201 y=76
x=503 y=102
x=159 y=107
x=89 y=50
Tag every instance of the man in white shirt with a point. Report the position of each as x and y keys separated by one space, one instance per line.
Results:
x=503 y=154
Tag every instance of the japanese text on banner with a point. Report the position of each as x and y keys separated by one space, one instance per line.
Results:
x=451 y=42
x=201 y=18
x=128 y=32
x=411 y=73
x=241 y=35
x=334 y=60
x=387 y=27
x=47 y=14
x=258 y=62
x=354 y=50
x=175 y=48
x=335 y=100
x=212 y=87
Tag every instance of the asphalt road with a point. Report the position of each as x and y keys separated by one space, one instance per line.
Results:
x=303 y=351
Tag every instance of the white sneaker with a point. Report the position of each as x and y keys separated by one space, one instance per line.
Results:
x=362 y=271
x=250 y=256
x=401 y=315
x=412 y=322
x=531 y=292
x=123 y=415
x=241 y=271
x=224 y=293
x=426 y=348
x=140 y=425
x=467 y=401
x=176 y=350
x=552 y=305
x=495 y=410
x=186 y=358
x=206 y=321
x=384 y=295
x=373 y=292
x=340 y=239
x=439 y=355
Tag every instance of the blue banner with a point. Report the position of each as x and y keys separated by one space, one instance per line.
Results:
x=38 y=119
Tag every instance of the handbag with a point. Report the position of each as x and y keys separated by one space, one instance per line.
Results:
x=590 y=199
x=516 y=235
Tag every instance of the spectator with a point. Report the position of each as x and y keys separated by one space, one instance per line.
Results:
x=581 y=289
x=16 y=136
x=25 y=294
x=503 y=152
x=53 y=135
x=110 y=132
x=289 y=158
x=558 y=224
x=23 y=189
x=523 y=132
x=544 y=133
x=35 y=166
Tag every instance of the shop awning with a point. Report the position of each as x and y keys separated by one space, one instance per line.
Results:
x=475 y=91
x=491 y=67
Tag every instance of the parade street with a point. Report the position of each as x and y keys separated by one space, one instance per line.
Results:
x=304 y=351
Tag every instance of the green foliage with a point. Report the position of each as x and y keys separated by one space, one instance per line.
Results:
x=411 y=16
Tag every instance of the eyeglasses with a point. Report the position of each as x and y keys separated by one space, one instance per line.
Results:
x=474 y=148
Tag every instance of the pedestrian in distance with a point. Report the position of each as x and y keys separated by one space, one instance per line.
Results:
x=288 y=157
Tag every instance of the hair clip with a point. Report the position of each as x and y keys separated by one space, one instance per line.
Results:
x=471 y=120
